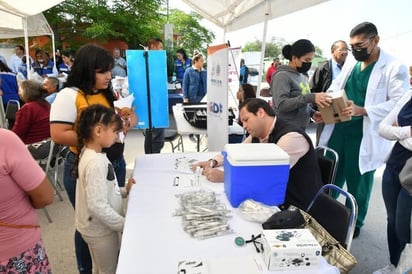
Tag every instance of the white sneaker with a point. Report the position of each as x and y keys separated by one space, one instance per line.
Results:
x=389 y=269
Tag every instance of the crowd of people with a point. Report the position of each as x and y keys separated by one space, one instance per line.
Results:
x=81 y=115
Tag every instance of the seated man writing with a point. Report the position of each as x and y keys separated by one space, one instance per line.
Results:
x=260 y=121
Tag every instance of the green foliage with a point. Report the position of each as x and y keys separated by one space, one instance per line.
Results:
x=170 y=59
x=75 y=22
x=273 y=48
x=191 y=35
x=318 y=52
x=129 y=20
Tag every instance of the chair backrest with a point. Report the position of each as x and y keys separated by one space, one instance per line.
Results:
x=12 y=107
x=3 y=120
x=55 y=153
x=333 y=215
x=328 y=163
x=40 y=150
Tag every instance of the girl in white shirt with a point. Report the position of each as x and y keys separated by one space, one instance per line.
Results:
x=98 y=214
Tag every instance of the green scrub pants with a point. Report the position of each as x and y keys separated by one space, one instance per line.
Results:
x=345 y=140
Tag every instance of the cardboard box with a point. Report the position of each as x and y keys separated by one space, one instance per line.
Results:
x=255 y=171
x=333 y=113
x=290 y=249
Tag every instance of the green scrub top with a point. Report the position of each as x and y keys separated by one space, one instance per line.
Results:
x=355 y=89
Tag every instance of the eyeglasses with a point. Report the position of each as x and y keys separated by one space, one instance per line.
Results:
x=343 y=50
x=360 y=45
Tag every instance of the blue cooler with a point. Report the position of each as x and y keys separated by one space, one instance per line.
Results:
x=255 y=171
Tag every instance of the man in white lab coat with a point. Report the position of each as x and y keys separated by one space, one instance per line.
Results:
x=373 y=84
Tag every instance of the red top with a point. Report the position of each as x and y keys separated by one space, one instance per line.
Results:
x=32 y=122
x=269 y=73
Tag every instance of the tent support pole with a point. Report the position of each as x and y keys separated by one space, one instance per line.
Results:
x=237 y=74
x=262 y=52
x=26 y=46
x=54 y=50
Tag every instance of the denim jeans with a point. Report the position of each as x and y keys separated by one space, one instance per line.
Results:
x=84 y=261
x=158 y=140
x=398 y=205
x=119 y=166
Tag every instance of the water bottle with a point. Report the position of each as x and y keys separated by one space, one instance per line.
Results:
x=174 y=77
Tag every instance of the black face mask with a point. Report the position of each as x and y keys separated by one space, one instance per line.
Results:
x=361 y=55
x=304 y=68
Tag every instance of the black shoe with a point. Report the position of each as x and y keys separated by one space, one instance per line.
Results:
x=356 y=232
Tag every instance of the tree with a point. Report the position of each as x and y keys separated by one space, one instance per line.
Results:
x=191 y=35
x=76 y=21
x=318 y=52
x=273 y=48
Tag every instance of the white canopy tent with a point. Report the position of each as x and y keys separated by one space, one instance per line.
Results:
x=23 y=18
x=233 y=15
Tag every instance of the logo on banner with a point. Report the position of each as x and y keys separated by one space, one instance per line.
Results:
x=216 y=69
x=215 y=75
x=215 y=109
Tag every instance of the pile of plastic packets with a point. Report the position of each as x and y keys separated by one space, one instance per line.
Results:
x=203 y=215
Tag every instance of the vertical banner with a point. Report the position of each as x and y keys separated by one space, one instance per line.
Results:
x=136 y=70
x=217 y=97
x=234 y=67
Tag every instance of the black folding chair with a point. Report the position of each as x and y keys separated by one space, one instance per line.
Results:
x=171 y=135
x=51 y=163
x=328 y=163
x=338 y=219
x=12 y=107
x=3 y=121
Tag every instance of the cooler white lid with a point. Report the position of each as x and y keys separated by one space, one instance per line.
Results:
x=256 y=154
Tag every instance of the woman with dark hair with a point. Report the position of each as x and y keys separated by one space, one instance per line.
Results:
x=398 y=201
x=67 y=61
x=290 y=88
x=88 y=83
x=245 y=92
x=181 y=64
x=43 y=65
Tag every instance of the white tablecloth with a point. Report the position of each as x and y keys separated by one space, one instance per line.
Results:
x=153 y=239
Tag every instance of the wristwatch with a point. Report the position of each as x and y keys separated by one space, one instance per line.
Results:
x=212 y=163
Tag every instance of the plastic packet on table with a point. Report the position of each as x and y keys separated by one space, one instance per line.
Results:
x=254 y=211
